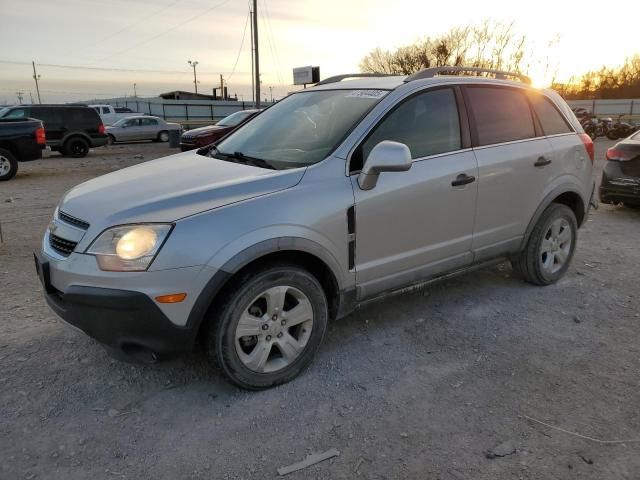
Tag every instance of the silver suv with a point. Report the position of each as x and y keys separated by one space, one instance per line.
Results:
x=334 y=196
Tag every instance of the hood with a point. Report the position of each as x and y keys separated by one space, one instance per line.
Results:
x=205 y=130
x=170 y=188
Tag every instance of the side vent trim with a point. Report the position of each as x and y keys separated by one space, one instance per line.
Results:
x=351 y=230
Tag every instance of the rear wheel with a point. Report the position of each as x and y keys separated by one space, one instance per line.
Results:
x=8 y=165
x=111 y=139
x=76 y=147
x=550 y=247
x=269 y=327
x=163 y=136
x=612 y=135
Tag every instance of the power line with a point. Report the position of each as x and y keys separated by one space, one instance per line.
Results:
x=127 y=27
x=244 y=34
x=106 y=69
x=266 y=17
x=144 y=42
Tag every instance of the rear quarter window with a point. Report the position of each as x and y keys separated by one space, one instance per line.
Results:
x=82 y=118
x=550 y=118
x=500 y=114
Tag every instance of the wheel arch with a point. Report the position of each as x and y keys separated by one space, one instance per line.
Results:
x=73 y=135
x=565 y=195
x=298 y=251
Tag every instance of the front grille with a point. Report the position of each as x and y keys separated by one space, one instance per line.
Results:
x=61 y=246
x=65 y=217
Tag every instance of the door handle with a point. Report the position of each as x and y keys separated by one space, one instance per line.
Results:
x=541 y=162
x=463 y=179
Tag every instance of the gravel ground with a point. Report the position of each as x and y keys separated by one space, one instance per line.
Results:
x=420 y=385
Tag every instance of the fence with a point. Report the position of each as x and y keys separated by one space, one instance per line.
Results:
x=612 y=108
x=189 y=113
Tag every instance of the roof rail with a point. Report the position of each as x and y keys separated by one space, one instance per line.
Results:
x=339 y=78
x=435 y=71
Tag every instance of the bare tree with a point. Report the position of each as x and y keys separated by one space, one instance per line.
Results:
x=490 y=45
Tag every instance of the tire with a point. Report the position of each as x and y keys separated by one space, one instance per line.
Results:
x=539 y=266
x=256 y=361
x=163 y=136
x=111 y=139
x=8 y=165
x=76 y=147
x=612 y=135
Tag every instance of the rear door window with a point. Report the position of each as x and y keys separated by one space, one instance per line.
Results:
x=428 y=123
x=16 y=113
x=501 y=115
x=550 y=119
x=148 y=122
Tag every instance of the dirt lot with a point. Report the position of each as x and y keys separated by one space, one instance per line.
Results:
x=417 y=386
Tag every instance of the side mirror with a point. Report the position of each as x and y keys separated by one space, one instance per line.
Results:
x=387 y=156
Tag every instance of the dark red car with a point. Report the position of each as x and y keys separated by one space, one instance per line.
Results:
x=201 y=137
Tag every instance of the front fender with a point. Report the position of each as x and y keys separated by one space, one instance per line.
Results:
x=241 y=252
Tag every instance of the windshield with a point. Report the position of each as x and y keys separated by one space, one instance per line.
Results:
x=233 y=119
x=303 y=128
x=2 y=111
x=120 y=122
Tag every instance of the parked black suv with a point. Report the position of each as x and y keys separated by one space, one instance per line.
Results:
x=71 y=129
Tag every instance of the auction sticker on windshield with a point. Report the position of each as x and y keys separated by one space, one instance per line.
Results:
x=367 y=93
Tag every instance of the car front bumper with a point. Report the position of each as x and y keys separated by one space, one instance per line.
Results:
x=120 y=310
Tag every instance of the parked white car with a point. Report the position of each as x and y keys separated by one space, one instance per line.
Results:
x=110 y=115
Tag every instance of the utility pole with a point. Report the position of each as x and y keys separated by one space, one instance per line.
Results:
x=194 y=64
x=36 y=77
x=20 y=93
x=253 y=85
x=271 y=93
x=135 y=92
x=222 y=87
x=256 y=53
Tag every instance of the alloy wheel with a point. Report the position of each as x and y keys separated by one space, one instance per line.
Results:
x=274 y=329
x=5 y=165
x=556 y=246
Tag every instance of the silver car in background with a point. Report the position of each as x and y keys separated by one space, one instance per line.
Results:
x=143 y=127
x=333 y=197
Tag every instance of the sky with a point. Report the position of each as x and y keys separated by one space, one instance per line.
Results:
x=91 y=49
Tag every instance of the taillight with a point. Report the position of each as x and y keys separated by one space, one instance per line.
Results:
x=101 y=129
x=618 y=155
x=41 y=139
x=588 y=145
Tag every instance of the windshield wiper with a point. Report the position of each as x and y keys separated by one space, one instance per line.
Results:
x=240 y=157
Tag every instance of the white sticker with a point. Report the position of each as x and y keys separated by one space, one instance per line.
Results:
x=367 y=94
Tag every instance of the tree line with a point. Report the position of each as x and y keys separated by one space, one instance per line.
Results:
x=499 y=46
x=607 y=83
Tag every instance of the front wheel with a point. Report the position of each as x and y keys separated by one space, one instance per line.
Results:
x=8 y=165
x=163 y=137
x=269 y=328
x=550 y=247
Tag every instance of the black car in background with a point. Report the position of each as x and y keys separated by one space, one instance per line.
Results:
x=71 y=129
x=20 y=141
x=621 y=174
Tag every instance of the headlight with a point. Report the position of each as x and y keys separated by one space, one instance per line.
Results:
x=129 y=248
